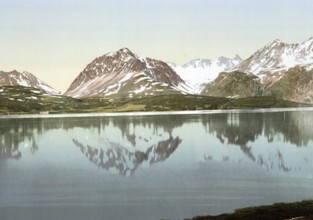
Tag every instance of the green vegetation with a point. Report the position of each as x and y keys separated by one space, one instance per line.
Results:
x=234 y=84
x=296 y=85
x=24 y=100
x=261 y=102
x=279 y=211
x=21 y=100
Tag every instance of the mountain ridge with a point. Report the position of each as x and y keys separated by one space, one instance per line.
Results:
x=125 y=72
x=15 y=78
x=198 y=72
x=272 y=60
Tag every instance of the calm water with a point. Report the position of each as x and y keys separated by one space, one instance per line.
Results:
x=153 y=167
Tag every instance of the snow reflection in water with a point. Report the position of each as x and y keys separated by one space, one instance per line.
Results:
x=170 y=166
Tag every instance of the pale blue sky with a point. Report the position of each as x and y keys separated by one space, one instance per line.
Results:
x=56 y=39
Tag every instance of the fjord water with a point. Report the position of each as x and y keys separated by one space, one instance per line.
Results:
x=155 y=166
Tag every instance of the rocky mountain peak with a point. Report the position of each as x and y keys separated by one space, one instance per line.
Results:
x=124 y=72
x=274 y=45
x=306 y=49
x=223 y=59
x=125 y=50
x=237 y=58
x=197 y=63
x=123 y=53
x=276 y=41
x=275 y=58
x=15 y=78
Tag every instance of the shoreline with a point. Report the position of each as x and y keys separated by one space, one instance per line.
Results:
x=154 y=113
x=278 y=211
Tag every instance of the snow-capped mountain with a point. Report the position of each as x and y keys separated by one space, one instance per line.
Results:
x=123 y=72
x=15 y=78
x=274 y=59
x=201 y=71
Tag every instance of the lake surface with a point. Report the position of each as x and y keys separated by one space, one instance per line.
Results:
x=153 y=166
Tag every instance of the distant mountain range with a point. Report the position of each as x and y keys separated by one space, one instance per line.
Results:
x=198 y=72
x=277 y=69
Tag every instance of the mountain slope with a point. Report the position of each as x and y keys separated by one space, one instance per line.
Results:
x=284 y=71
x=274 y=59
x=15 y=78
x=234 y=84
x=123 y=72
x=296 y=85
x=200 y=71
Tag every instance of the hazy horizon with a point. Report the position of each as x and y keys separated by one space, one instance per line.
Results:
x=55 y=40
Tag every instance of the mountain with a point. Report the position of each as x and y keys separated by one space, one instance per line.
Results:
x=198 y=72
x=278 y=69
x=15 y=78
x=123 y=72
x=296 y=85
x=274 y=59
x=235 y=85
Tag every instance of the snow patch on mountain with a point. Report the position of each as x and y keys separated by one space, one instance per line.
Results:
x=123 y=72
x=198 y=72
x=277 y=57
x=15 y=78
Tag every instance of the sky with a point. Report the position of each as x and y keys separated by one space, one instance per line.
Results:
x=56 y=39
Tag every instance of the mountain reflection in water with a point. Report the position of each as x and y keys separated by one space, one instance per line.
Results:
x=153 y=167
x=116 y=157
x=243 y=130
x=121 y=144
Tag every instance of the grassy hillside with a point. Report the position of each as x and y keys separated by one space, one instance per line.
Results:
x=19 y=99
x=24 y=100
x=234 y=84
x=296 y=85
x=197 y=102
